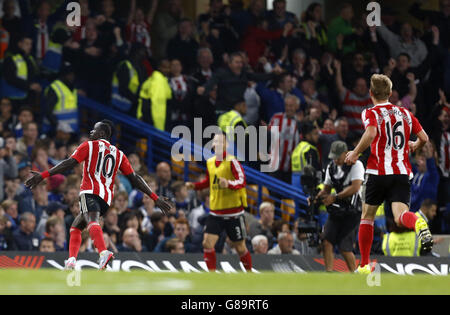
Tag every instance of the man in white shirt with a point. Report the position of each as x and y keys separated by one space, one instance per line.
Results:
x=343 y=205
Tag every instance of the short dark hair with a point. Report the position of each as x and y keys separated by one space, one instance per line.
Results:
x=107 y=126
x=427 y=203
x=406 y=55
x=307 y=127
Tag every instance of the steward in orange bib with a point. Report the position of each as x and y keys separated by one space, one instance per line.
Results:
x=225 y=179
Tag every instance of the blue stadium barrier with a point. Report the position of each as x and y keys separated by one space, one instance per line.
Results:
x=156 y=146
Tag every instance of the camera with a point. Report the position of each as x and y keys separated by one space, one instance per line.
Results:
x=310 y=179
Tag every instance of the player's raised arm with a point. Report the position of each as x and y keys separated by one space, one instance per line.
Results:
x=138 y=182
x=60 y=168
x=364 y=143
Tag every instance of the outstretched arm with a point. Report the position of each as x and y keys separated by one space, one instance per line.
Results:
x=138 y=182
x=364 y=143
x=62 y=167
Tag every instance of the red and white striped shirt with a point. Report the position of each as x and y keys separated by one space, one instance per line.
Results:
x=390 y=149
x=289 y=138
x=353 y=106
x=101 y=160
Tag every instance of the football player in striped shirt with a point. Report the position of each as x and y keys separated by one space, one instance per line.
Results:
x=388 y=130
x=102 y=161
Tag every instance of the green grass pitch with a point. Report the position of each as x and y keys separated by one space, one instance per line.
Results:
x=16 y=281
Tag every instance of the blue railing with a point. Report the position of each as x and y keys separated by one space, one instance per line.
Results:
x=155 y=145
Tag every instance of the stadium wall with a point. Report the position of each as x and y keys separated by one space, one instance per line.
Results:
x=153 y=262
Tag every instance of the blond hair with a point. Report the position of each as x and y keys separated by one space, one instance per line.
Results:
x=381 y=87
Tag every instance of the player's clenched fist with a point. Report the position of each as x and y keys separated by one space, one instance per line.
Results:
x=351 y=158
x=164 y=204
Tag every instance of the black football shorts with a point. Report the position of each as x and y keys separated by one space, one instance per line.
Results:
x=390 y=188
x=234 y=226
x=93 y=203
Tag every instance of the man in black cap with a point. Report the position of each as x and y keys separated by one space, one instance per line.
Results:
x=61 y=99
x=340 y=195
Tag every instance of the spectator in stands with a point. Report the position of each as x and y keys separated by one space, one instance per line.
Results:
x=314 y=98
x=24 y=116
x=8 y=166
x=35 y=203
x=53 y=210
x=127 y=78
x=426 y=177
x=285 y=123
x=11 y=22
x=55 y=230
x=111 y=224
x=25 y=237
x=153 y=97
x=166 y=26
x=47 y=245
x=183 y=46
x=314 y=26
x=197 y=213
x=244 y=19
x=131 y=242
x=175 y=246
x=39 y=158
x=260 y=244
x=139 y=25
x=61 y=99
x=264 y=225
x=26 y=144
x=6 y=238
x=353 y=102
x=11 y=213
x=272 y=100
x=285 y=245
x=20 y=73
x=342 y=26
x=440 y=18
x=255 y=39
x=205 y=60
x=156 y=235
x=182 y=202
x=121 y=204
x=325 y=140
x=7 y=117
x=231 y=82
x=183 y=92
x=164 y=175
x=182 y=232
x=405 y=43
x=12 y=189
x=279 y=16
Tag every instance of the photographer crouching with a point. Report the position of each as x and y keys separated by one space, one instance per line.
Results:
x=344 y=206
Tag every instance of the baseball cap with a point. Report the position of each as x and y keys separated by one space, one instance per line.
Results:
x=337 y=148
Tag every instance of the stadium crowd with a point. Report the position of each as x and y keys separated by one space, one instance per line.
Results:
x=272 y=67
